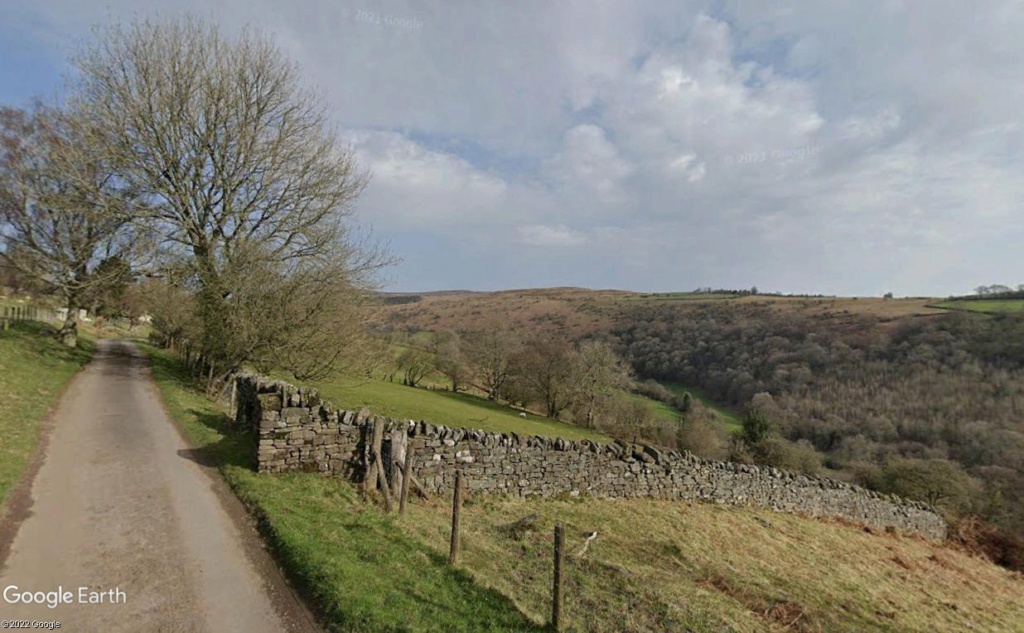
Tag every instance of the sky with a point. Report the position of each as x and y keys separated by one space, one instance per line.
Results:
x=838 y=147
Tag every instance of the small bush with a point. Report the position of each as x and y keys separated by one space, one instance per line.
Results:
x=703 y=438
x=1002 y=547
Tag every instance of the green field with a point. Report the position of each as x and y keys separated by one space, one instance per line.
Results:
x=360 y=568
x=34 y=367
x=732 y=422
x=457 y=410
x=470 y=408
x=659 y=410
x=989 y=306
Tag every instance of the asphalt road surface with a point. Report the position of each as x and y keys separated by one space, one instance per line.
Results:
x=120 y=507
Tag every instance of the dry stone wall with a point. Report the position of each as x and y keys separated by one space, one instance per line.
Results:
x=299 y=432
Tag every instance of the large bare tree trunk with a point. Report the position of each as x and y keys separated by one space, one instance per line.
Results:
x=68 y=333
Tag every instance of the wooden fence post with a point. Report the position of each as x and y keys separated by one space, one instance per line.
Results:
x=557 y=595
x=456 y=547
x=398 y=440
x=376 y=476
x=233 y=406
x=406 y=476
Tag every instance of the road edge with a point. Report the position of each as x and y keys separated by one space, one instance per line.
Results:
x=290 y=603
x=18 y=505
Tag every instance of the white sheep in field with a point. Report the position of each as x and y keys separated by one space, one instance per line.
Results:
x=523 y=414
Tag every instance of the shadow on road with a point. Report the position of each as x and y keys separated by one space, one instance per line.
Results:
x=118 y=359
x=234 y=448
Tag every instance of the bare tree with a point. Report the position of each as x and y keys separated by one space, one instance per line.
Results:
x=63 y=213
x=599 y=375
x=491 y=352
x=242 y=172
x=548 y=368
x=308 y=320
x=415 y=364
x=173 y=312
x=448 y=358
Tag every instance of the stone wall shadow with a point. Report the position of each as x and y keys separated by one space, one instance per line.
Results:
x=236 y=447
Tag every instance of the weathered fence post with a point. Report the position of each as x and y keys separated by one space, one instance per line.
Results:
x=453 y=556
x=233 y=406
x=557 y=595
x=396 y=460
x=382 y=475
x=406 y=476
x=376 y=476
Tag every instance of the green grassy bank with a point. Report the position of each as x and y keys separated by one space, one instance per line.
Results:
x=34 y=368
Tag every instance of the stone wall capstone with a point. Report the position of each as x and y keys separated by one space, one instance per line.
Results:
x=297 y=431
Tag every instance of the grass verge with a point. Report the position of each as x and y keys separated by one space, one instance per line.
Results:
x=360 y=569
x=34 y=368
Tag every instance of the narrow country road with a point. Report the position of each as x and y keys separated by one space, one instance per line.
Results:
x=119 y=507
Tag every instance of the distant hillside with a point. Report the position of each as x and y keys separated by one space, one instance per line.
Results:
x=577 y=312
x=901 y=395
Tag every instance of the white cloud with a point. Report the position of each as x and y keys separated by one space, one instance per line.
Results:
x=413 y=186
x=830 y=147
x=589 y=166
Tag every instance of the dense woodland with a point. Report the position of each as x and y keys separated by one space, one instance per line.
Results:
x=931 y=407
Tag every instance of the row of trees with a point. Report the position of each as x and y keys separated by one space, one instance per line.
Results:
x=585 y=382
x=996 y=290
x=203 y=163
